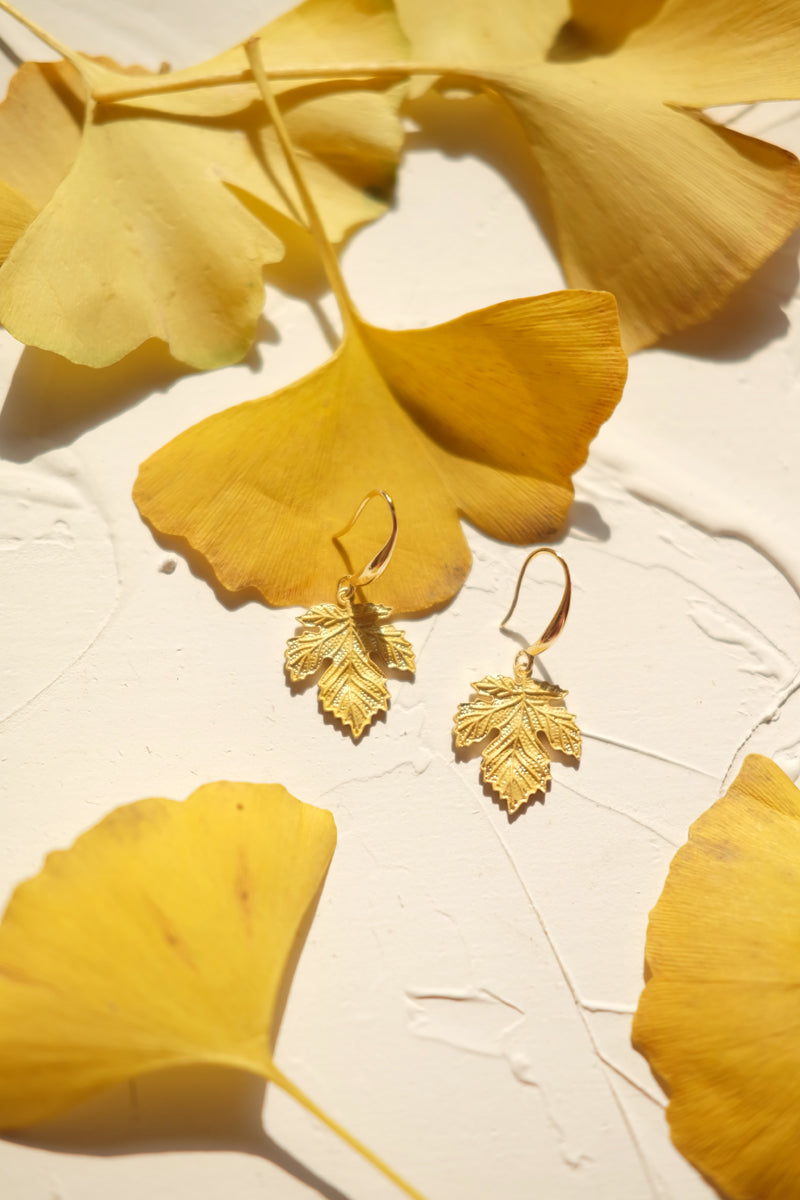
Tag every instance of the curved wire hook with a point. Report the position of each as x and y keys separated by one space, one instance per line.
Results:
x=378 y=564
x=559 y=620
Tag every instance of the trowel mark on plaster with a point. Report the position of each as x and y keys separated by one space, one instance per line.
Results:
x=639 y=471
x=59 y=534
x=480 y=1022
x=715 y=618
x=770 y=714
x=473 y=1019
x=66 y=582
x=724 y=624
x=719 y=620
x=647 y=1173
x=787 y=757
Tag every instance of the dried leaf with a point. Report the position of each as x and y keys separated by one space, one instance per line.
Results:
x=352 y=639
x=153 y=209
x=16 y=214
x=718 y=1017
x=702 y=54
x=484 y=417
x=650 y=200
x=515 y=714
x=40 y=128
x=164 y=936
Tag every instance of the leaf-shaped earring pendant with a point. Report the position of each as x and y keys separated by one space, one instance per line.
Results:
x=352 y=639
x=516 y=714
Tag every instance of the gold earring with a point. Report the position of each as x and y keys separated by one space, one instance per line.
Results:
x=515 y=712
x=352 y=640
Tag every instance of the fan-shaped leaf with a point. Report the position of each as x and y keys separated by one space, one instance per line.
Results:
x=484 y=417
x=152 y=209
x=650 y=200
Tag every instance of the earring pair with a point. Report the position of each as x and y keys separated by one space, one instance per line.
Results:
x=357 y=648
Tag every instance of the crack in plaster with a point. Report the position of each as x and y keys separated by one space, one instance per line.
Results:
x=654 y=754
x=659 y=1101
x=772 y=713
x=567 y=978
x=619 y=812
x=478 y=1021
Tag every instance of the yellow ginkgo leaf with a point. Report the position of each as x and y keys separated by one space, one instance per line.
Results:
x=40 y=129
x=16 y=214
x=649 y=198
x=164 y=936
x=701 y=52
x=161 y=937
x=718 y=1017
x=155 y=227
x=485 y=417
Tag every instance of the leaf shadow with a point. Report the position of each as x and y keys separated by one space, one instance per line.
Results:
x=752 y=317
x=52 y=401
x=300 y=273
x=485 y=127
x=193 y=1108
x=201 y=568
x=586 y=519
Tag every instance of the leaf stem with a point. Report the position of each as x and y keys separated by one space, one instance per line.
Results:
x=342 y=71
x=314 y=221
x=43 y=35
x=292 y=1090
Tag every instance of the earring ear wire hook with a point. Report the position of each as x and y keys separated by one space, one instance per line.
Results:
x=378 y=564
x=559 y=619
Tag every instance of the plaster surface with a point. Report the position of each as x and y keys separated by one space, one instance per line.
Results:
x=464 y=1000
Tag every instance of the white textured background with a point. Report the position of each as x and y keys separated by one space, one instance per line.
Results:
x=464 y=1000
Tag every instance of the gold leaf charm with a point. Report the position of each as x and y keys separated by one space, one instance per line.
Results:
x=358 y=650
x=516 y=714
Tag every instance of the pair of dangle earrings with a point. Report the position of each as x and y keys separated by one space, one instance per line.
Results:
x=356 y=647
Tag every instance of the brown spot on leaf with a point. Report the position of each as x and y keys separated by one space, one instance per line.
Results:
x=20 y=977
x=171 y=937
x=243 y=886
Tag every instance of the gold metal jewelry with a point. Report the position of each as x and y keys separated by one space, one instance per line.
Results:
x=516 y=713
x=352 y=640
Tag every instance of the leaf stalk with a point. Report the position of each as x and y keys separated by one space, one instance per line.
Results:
x=341 y=71
x=292 y=1090
x=313 y=219
x=43 y=35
